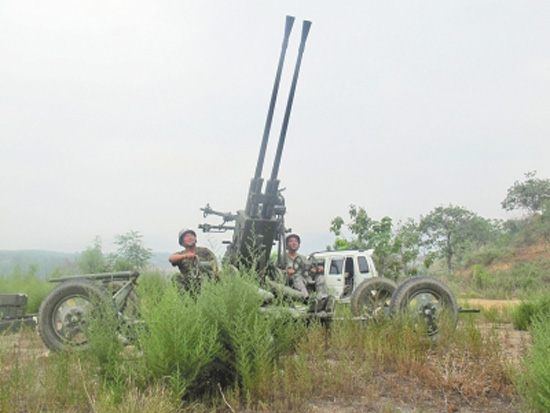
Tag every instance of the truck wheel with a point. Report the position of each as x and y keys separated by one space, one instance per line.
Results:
x=65 y=312
x=372 y=297
x=426 y=299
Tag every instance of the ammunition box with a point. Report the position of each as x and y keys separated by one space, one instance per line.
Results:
x=12 y=305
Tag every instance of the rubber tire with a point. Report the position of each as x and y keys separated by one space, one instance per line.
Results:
x=360 y=295
x=80 y=288
x=412 y=287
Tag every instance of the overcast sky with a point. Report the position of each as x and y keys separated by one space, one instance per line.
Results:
x=119 y=116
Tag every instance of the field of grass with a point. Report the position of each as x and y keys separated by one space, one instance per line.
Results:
x=217 y=352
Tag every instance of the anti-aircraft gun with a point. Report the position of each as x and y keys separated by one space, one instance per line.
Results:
x=67 y=308
x=261 y=223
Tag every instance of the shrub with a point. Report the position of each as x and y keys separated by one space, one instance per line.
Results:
x=487 y=256
x=195 y=342
x=534 y=383
x=524 y=314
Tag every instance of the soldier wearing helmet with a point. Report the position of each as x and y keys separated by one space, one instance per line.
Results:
x=301 y=273
x=194 y=262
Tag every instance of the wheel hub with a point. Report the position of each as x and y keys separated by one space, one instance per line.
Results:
x=72 y=318
x=428 y=310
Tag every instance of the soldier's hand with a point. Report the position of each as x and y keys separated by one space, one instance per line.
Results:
x=188 y=256
x=291 y=271
x=317 y=270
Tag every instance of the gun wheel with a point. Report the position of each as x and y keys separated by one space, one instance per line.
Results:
x=65 y=313
x=428 y=301
x=371 y=298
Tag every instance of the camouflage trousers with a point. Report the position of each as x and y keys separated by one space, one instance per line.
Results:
x=301 y=283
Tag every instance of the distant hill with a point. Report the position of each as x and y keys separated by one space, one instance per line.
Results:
x=159 y=260
x=22 y=261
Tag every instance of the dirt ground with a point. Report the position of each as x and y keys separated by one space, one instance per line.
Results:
x=483 y=303
x=514 y=345
x=514 y=342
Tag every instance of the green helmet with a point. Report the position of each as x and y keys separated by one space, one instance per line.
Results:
x=293 y=236
x=182 y=234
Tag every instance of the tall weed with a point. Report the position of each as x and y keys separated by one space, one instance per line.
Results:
x=524 y=313
x=534 y=383
x=195 y=342
x=252 y=340
x=31 y=381
x=178 y=343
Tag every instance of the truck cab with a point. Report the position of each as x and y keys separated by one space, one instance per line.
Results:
x=345 y=270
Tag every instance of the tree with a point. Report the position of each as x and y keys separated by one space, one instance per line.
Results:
x=447 y=231
x=530 y=230
x=92 y=260
x=131 y=252
x=408 y=235
x=530 y=194
x=392 y=252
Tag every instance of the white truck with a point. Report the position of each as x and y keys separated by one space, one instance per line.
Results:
x=345 y=270
x=352 y=278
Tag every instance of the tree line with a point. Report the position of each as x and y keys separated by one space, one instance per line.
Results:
x=447 y=233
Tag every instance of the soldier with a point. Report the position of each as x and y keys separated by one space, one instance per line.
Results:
x=301 y=273
x=194 y=262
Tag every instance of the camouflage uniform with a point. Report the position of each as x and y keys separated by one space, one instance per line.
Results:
x=191 y=273
x=302 y=277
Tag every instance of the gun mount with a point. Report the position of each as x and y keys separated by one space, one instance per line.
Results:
x=261 y=223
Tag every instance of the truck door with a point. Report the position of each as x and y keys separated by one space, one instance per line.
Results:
x=335 y=276
x=349 y=277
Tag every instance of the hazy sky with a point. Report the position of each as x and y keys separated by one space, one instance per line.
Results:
x=131 y=115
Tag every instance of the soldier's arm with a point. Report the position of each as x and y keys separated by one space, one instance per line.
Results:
x=178 y=256
x=314 y=267
x=288 y=269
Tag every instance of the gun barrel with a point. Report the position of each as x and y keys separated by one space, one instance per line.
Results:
x=259 y=166
x=305 y=31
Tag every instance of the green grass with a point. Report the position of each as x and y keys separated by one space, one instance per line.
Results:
x=29 y=284
x=534 y=381
x=527 y=311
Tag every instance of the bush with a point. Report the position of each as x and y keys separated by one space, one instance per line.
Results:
x=534 y=383
x=487 y=256
x=197 y=343
x=527 y=311
x=179 y=345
